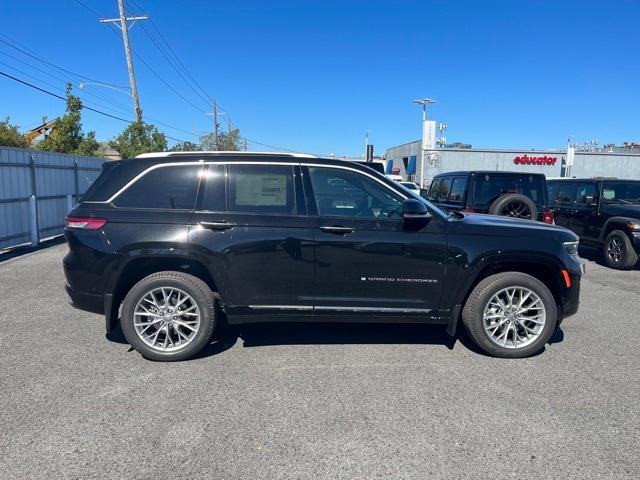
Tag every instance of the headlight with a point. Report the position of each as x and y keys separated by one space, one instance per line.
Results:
x=571 y=247
x=633 y=226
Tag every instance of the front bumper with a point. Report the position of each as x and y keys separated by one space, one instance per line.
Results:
x=635 y=236
x=571 y=296
x=85 y=301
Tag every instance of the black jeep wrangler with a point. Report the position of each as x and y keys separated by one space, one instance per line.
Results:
x=603 y=212
x=172 y=244
x=510 y=194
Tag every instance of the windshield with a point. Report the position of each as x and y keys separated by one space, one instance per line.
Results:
x=621 y=191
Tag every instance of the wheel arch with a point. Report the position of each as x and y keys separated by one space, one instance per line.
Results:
x=541 y=267
x=138 y=268
x=616 y=223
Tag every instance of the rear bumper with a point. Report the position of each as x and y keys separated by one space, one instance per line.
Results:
x=85 y=301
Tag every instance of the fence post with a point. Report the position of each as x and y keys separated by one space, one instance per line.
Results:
x=33 y=222
x=75 y=176
x=69 y=202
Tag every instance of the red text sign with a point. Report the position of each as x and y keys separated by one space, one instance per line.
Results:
x=527 y=160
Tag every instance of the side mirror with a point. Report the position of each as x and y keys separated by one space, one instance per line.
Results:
x=589 y=200
x=413 y=209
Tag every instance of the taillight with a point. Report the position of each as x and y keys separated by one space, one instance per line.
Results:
x=547 y=217
x=468 y=210
x=85 y=223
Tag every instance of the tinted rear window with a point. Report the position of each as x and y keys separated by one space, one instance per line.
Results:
x=488 y=187
x=165 y=187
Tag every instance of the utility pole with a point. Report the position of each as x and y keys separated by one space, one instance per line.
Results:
x=122 y=21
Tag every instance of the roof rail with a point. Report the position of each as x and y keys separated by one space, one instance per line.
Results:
x=228 y=152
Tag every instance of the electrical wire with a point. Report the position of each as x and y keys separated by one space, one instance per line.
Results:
x=31 y=85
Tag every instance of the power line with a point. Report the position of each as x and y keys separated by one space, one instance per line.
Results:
x=31 y=85
x=176 y=58
x=52 y=65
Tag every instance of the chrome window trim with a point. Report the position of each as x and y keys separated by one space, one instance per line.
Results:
x=238 y=162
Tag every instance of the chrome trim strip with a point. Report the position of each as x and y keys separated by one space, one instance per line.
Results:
x=241 y=162
x=282 y=307
x=374 y=309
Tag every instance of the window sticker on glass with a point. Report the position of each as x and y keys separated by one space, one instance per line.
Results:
x=259 y=189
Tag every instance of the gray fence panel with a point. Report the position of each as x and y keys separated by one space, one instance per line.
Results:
x=50 y=177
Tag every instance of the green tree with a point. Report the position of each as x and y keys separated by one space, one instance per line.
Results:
x=137 y=138
x=229 y=141
x=185 y=147
x=67 y=135
x=10 y=136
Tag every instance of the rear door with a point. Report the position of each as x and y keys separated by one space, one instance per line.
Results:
x=563 y=207
x=252 y=231
x=369 y=262
x=585 y=217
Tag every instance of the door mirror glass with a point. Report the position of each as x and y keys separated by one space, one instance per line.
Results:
x=414 y=209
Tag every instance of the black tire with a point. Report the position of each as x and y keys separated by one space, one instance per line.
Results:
x=194 y=287
x=472 y=314
x=618 y=251
x=514 y=205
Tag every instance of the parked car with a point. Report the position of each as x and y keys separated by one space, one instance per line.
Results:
x=605 y=213
x=510 y=194
x=411 y=186
x=394 y=177
x=179 y=243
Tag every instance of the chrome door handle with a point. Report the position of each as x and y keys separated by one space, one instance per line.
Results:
x=336 y=229
x=217 y=225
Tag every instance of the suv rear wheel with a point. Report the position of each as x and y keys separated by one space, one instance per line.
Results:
x=169 y=316
x=510 y=315
x=514 y=205
x=618 y=251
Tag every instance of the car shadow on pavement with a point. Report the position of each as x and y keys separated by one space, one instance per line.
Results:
x=271 y=334
x=264 y=334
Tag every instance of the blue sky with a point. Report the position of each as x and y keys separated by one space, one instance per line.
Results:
x=314 y=75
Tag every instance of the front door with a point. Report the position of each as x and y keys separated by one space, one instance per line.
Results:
x=369 y=262
x=256 y=240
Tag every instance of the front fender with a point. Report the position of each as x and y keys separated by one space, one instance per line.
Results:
x=616 y=220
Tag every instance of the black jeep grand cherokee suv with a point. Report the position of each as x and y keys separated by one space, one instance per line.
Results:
x=172 y=243
x=603 y=212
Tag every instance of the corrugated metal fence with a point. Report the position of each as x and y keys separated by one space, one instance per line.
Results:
x=37 y=190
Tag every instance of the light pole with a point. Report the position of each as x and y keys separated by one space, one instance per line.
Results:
x=424 y=102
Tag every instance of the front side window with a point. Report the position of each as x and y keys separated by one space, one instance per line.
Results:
x=265 y=189
x=345 y=193
x=621 y=191
x=171 y=188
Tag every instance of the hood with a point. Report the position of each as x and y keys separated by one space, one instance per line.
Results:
x=493 y=225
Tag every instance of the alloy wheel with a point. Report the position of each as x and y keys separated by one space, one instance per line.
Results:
x=517 y=209
x=615 y=250
x=514 y=317
x=166 y=319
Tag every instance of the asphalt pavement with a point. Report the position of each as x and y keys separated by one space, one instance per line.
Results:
x=315 y=401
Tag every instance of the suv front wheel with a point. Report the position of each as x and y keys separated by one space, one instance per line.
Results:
x=618 y=251
x=169 y=316
x=510 y=315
